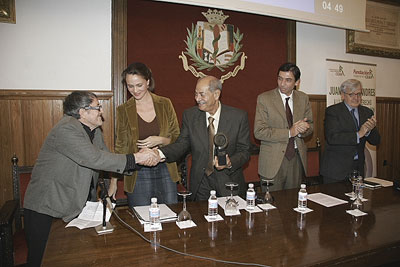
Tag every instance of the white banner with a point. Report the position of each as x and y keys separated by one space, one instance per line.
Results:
x=337 y=72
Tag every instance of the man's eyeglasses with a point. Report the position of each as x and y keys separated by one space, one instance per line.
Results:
x=353 y=94
x=93 y=108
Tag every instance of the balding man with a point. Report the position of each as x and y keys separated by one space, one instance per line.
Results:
x=210 y=116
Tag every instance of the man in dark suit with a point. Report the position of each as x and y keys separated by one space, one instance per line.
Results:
x=348 y=125
x=65 y=174
x=206 y=174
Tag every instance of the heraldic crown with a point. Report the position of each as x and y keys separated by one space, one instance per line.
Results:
x=215 y=16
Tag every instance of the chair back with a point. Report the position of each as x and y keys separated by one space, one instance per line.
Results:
x=250 y=171
x=21 y=176
x=121 y=197
x=313 y=176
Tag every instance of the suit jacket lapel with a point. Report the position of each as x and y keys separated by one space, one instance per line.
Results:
x=277 y=100
x=132 y=118
x=223 y=126
x=200 y=121
x=348 y=116
x=296 y=107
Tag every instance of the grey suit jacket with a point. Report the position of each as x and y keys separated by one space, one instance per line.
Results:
x=272 y=129
x=194 y=138
x=62 y=174
x=341 y=140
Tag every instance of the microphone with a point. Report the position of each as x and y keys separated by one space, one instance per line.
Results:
x=221 y=143
x=396 y=182
x=105 y=227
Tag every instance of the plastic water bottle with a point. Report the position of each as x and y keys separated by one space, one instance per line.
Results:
x=212 y=204
x=251 y=197
x=154 y=214
x=302 y=203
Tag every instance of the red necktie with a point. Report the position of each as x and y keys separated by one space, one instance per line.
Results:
x=290 y=147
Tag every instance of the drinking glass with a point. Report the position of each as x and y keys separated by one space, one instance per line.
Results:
x=231 y=205
x=184 y=216
x=358 y=192
x=353 y=176
x=268 y=198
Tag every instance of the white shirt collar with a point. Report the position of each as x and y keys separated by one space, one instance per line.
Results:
x=215 y=116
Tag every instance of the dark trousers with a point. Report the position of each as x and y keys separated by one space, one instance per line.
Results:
x=289 y=175
x=37 y=228
x=153 y=182
x=358 y=165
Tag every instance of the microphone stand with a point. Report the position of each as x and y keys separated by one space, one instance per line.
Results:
x=105 y=227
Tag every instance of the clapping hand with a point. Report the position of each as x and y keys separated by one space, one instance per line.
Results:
x=367 y=126
x=299 y=127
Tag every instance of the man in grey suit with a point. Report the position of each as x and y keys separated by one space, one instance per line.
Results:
x=348 y=126
x=283 y=119
x=206 y=174
x=67 y=167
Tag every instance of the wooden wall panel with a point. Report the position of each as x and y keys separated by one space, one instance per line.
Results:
x=26 y=119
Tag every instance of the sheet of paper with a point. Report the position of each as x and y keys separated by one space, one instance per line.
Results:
x=266 y=206
x=148 y=228
x=255 y=210
x=306 y=210
x=384 y=183
x=166 y=214
x=325 y=200
x=351 y=196
x=356 y=212
x=242 y=203
x=214 y=219
x=186 y=224
x=91 y=216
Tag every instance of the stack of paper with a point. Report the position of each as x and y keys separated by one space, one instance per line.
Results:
x=384 y=183
x=91 y=216
x=166 y=214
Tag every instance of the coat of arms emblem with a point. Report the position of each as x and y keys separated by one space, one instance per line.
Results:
x=213 y=44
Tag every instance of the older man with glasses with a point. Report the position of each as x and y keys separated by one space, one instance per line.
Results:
x=348 y=126
x=67 y=169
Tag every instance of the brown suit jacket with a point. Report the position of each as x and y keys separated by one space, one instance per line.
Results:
x=128 y=133
x=272 y=129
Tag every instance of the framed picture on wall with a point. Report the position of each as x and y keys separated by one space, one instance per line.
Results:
x=7 y=11
x=382 y=19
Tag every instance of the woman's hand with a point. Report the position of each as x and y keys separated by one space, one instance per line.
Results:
x=112 y=190
x=153 y=141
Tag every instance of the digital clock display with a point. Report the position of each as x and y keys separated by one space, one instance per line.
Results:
x=347 y=14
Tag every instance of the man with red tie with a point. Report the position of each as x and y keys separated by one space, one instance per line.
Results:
x=283 y=119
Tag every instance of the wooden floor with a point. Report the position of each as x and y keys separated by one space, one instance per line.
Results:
x=281 y=237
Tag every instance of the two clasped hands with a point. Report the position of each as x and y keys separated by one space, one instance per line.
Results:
x=149 y=155
x=367 y=126
x=299 y=127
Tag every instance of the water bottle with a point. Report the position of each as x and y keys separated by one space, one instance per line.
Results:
x=154 y=214
x=302 y=203
x=251 y=197
x=212 y=205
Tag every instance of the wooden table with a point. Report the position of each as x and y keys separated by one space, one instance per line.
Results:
x=324 y=237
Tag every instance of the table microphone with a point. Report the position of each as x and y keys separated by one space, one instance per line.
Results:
x=105 y=227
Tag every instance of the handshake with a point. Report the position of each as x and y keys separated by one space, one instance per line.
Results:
x=148 y=157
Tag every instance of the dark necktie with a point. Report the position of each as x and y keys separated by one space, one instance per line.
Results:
x=211 y=133
x=355 y=119
x=289 y=154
